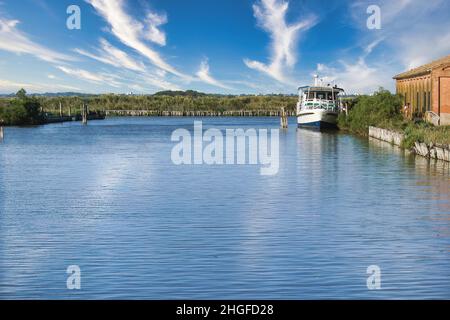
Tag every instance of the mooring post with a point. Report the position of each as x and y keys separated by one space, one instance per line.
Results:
x=84 y=113
x=1 y=133
x=284 y=119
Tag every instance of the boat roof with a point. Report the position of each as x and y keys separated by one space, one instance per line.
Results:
x=315 y=88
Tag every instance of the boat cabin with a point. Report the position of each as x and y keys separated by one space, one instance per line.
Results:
x=319 y=97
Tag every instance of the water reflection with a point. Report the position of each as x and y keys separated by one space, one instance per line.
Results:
x=108 y=198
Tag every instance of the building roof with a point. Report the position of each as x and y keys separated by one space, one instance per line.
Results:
x=427 y=68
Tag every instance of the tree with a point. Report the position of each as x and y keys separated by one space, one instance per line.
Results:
x=21 y=94
x=22 y=110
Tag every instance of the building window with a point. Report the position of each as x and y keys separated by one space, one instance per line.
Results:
x=418 y=103
x=429 y=101
x=425 y=104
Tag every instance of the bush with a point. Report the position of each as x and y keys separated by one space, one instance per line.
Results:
x=13 y=114
x=21 y=111
x=382 y=109
x=425 y=132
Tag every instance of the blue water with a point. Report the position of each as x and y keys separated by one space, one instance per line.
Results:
x=108 y=198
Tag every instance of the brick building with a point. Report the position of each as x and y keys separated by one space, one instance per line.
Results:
x=426 y=91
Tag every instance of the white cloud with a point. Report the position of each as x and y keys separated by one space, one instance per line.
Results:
x=355 y=77
x=8 y=86
x=97 y=78
x=132 y=33
x=157 y=83
x=120 y=59
x=271 y=17
x=428 y=45
x=13 y=40
x=414 y=31
x=203 y=74
x=111 y=55
x=408 y=38
x=152 y=32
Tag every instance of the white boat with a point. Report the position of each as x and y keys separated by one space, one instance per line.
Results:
x=318 y=105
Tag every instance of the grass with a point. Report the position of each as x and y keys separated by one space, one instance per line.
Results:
x=425 y=132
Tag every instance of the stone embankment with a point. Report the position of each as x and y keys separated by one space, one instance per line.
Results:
x=433 y=151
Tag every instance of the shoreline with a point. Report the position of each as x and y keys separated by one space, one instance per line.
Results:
x=232 y=113
x=427 y=150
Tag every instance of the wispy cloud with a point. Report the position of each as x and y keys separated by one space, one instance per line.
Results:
x=154 y=82
x=7 y=86
x=111 y=55
x=204 y=75
x=403 y=44
x=133 y=33
x=416 y=31
x=152 y=32
x=355 y=77
x=271 y=17
x=98 y=78
x=13 y=40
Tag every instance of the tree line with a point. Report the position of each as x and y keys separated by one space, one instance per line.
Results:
x=23 y=109
x=181 y=103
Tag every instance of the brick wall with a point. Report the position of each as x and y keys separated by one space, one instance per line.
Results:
x=441 y=93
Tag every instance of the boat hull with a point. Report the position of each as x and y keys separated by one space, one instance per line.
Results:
x=321 y=119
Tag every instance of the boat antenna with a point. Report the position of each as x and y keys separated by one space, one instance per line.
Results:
x=316 y=80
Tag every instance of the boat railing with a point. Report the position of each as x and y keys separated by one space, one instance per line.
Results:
x=328 y=105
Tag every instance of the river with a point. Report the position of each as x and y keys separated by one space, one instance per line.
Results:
x=107 y=197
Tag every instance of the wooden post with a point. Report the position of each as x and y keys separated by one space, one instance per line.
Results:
x=84 y=113
x=284 y=119
x=1 y=133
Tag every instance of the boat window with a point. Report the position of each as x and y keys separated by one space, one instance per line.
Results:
x=321 y=95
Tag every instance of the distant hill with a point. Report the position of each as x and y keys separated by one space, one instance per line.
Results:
x=188 y=93
x=167 y=93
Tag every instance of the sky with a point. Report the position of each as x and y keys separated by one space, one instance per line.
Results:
x=216 y=46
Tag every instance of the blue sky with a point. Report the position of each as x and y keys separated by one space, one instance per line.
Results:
x=220 y=46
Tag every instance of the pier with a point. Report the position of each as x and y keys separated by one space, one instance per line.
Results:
x=84 y=116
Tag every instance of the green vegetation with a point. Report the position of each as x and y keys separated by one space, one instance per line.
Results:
x=21 y=110
x=383 y=110
x=188 y=93
x=425 y=132
x=183 y=101
x=173 y=101
x=13 y=110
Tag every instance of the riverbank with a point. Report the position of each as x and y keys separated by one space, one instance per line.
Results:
x=170 y=103
x=231 y=113
x=25 y=110
x=379 y=116
x=425 y=149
